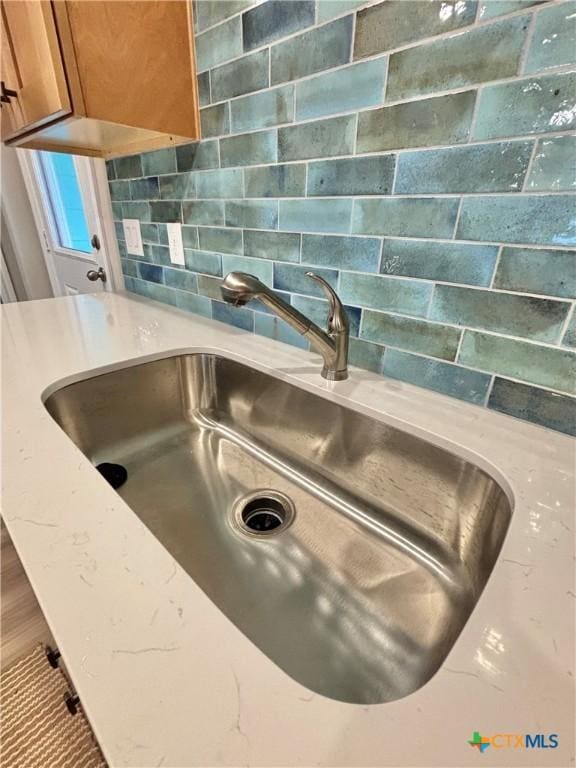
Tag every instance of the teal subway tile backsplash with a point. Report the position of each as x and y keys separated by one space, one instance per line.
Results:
x=262 y=110
x=437 y=120
x=351 y=176
x=406 y=217
x=545 y=366
x=554 y=38
x=319 y=49
x=446 y=261
x=533 y=318
x=499 y=167
x=542 y=220
x=355 y=87
x=448 y=379
x=537 y=270
x=554 y=165
x=394 y=23
x=458 y=61
x=323 y=138
x=416 y=154
x=430 y=339
x=528 y=106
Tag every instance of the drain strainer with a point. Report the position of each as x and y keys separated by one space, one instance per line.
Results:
x=263 y=513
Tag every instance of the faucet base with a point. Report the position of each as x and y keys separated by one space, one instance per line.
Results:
x=334 y=375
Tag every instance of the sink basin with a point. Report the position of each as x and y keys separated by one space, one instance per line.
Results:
x=350 y=552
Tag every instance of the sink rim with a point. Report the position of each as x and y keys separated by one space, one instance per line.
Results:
x=322 y=388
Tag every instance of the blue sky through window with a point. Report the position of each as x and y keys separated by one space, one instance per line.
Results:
x=66 y=201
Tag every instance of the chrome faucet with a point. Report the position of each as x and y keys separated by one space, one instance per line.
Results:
x=239 y=288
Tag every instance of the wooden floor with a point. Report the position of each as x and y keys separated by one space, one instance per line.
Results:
x=22 y=625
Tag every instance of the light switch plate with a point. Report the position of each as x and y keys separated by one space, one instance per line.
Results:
x=174 y=231
x=133 y=237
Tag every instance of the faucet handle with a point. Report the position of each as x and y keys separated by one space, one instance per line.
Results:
x=337 y=317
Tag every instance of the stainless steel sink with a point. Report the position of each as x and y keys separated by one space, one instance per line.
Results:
x=350 y=552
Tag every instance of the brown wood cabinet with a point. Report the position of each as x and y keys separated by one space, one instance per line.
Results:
x=101 y=78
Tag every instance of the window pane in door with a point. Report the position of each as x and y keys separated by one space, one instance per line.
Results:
x=65 y=201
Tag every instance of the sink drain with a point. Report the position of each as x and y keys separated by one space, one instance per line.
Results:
x=263 y=513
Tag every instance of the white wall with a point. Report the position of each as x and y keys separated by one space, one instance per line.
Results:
x=20 y=241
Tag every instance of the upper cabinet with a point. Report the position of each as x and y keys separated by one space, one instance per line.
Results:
x=101 y=78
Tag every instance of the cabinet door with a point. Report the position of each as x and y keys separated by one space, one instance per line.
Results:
x=11 y=114
x=43 y=91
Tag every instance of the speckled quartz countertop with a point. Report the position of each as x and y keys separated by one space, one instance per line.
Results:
x=165 y=678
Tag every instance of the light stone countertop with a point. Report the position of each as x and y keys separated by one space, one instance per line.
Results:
x=165 y=678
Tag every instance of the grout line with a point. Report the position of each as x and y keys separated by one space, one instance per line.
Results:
x=459 y=346
x=527 y=45
x=458 y=212
x=530 y=164
x=489 y=390
x=569 y=316
x=495 y=270
x=430 y=302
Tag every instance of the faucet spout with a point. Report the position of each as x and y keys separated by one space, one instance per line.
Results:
x=238 y=288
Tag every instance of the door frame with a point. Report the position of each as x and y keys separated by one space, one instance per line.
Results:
x=93 y=180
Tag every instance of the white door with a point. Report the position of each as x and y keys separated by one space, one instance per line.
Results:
x=72 y=211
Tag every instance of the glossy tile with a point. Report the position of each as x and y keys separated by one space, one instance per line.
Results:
x=541 y=220
x=361 y=254
x=314 y=51
x=329 y=9
x=445 y=378
x=434 y=121
x=197 y=157
x=210 y=12
x=569 y=339
x=252 y=214
x=532 y=105
x=410 y=297
x=208 y=213
x=261 y=268
x=219 y=44
x=165 y=210
x=499 y=167
x=553 y=41
x=554 y=165
x=549 y=409
x=355 y=87
x=490 y=9
x=181 y=278
x=447 y=261
x=415 y=335
x=525 y=316
x=244 y=75
x=262 y=110
x=220 y=240
x=160 y=161
x=530 y=270
x=277 y=246
x=351 y=176
x=395 y=23
x=177 y=186
x=545 y=366
x=202 y=261
x=405 y=217
x=271 y=21
x=322 y=138
x=316 y=215
x=219 y=184
x=191 y=302
x=248 y=149
x=215 y=121
x=366 y=355
x=458 y=61
x=276 y=181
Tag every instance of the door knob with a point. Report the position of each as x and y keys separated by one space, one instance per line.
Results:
x=94 y=275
